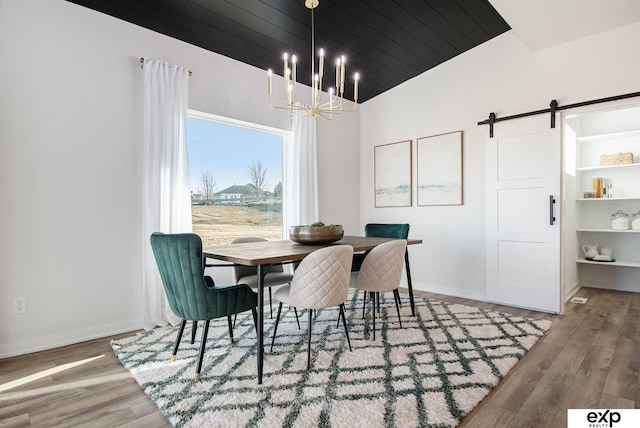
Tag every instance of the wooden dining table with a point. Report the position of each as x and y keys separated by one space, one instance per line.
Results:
x=263 y=254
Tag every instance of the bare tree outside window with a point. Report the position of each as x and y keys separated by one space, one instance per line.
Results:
x=208 y=184
x=277 y=190
x=257 y=176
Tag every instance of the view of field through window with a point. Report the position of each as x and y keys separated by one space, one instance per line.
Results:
x=236 y=181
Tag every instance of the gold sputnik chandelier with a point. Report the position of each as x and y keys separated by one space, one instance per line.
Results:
x=319 y=104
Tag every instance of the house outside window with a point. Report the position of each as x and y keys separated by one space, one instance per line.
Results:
x=236 y=176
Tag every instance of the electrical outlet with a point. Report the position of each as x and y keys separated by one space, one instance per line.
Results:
x=19 y=305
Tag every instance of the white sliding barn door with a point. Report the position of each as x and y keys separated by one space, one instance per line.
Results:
x=523 y=162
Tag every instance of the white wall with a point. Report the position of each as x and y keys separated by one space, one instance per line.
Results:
x=338 y=173
x=501 y=76
x=70 y=156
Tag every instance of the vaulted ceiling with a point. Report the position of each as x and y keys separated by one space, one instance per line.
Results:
x=386 y=41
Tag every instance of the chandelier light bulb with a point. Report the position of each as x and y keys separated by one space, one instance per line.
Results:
x=356 y=77
x=294 y=62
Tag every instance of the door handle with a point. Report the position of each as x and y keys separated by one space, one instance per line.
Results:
x=552 y=218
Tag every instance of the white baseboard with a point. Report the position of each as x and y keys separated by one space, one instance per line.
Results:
x=633 y=288
x=475 y=294
x=451 y=291
x=571 y=291
x=42 y=343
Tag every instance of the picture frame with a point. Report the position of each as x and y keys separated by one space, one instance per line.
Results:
x=440 y=169
x=393 y=174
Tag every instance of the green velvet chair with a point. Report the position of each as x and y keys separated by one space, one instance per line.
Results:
x=191 y=295
x=388 y=230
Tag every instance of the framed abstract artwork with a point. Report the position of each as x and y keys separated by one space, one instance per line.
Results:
x=440 y=169
x=392 y=174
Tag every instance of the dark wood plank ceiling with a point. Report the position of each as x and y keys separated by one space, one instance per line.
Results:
x=386 y=41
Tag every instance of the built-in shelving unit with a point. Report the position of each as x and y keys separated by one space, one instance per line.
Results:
x=596 y=135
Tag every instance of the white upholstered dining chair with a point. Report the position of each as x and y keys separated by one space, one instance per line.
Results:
x=320 y=281
x=249 y=274
x=381 y=271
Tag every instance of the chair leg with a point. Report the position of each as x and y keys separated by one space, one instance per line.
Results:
x=194 y=328
x=373 y=313
x=364 y=303
x=175 y=347
x=295 y=311
x=396 y=296
x=230 y=328
x=309 y=339
x=409 y=285
x=234 y=319
x=344 y=322
x=203 y=345
x=270 y=305
x=275 y=327
x=255 y=318
x=397 y=307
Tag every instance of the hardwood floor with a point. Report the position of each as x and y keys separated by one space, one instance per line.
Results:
x=76 y=385
x=589 y=359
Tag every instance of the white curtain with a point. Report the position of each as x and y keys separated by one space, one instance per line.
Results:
x=302 y=205
x=166 y=196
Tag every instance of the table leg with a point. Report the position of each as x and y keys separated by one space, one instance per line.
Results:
x=260 y=332
x=406 y=263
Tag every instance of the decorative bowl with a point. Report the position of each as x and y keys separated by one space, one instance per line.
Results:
x=313 y=235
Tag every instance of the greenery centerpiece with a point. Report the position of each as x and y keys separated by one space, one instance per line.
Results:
x=316 y=233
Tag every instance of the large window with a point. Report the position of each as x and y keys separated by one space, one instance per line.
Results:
x=236 y=173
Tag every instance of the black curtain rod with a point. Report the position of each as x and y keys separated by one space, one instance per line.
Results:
x=552 y=109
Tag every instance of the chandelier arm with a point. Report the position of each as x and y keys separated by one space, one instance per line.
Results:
x=302 y=106
x=328 y=117
x=329 y=105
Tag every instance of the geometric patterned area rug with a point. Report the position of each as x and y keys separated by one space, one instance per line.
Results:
x=429 y=373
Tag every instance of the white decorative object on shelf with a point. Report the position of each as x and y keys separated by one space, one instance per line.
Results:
x=619 y=220
x=635 y=221
x=590 y=251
